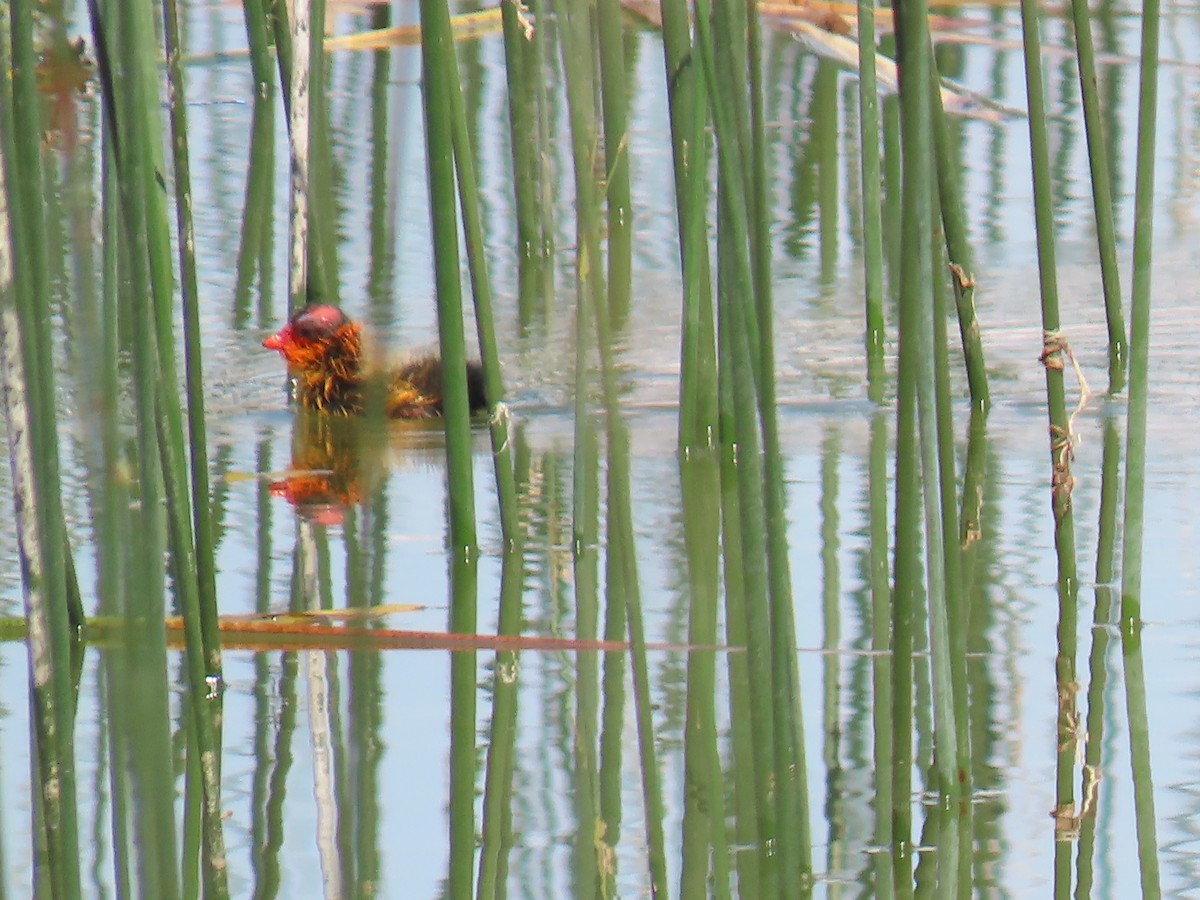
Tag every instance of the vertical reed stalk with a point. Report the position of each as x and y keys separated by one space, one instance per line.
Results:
x=790 y=736
x=576 y=51
x=881 y=644
x=746 y=345
x=1060 y=438
x=256 y=242
x=1135 y=455
x=872 y=224
x=742 y=717
x=197 y=443
x=612 y=726
x=1060 y=427
x=468 y=194
x=117 y=520
x=259 y=40
x=1098 y=711
x=464 y=598
x=519 y=63
x=141 y=163
x=609 y=29
x=299 y=130
x=1110 y=276
x=688 y=103
x=917 y=350
x=437 y=65
x=951 y=663
x=586 y=782
x=958 y=247
x=496 y=816
x=703 y=817
x=28 y=402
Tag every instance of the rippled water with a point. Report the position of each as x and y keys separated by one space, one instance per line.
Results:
x=401 y=773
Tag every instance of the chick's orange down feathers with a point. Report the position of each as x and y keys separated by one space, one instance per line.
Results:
x=324 y=353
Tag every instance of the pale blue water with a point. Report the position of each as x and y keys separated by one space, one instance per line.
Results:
x=824 y=419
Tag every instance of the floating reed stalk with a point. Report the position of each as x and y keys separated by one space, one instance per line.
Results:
x=1135 y=455
x=1106 y=239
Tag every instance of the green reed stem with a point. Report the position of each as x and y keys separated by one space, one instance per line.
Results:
x=193 y=370
x=437 y=66
x=688 y=102
x=1044 y=220
x=32 y=314
x=260 y=187
x=610 y=35
x=958 y=246
x=585 y=788
x=952 y=661
x=742 y=327
x=917 y=351
x=1110 y=276
x=323 y=267
x=1098 y=711
x=28 y=402
x=120 y=521
x=905 y=597
x=881 y=643
x=468 y=195
x=1135 y=455
x=143 y=163
x=1139 y=357
x=612 y=727
x=971 y=517
x=703 y=817
x=872 y=224
x=501 y=746
x=464 y=598
x=745 y=757
x=790 y=749
x=519 y=62
x=259 y=39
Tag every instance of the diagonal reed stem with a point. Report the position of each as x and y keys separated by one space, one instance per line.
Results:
x=1135 y=454
x=1106 y=239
